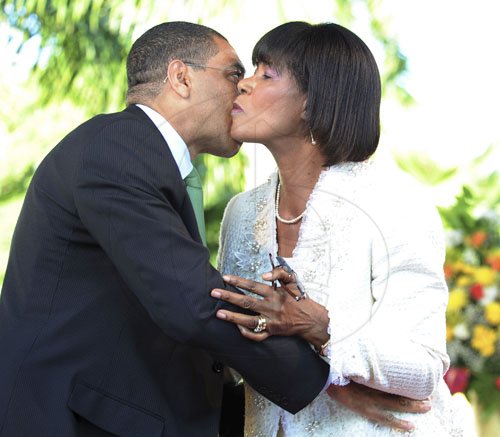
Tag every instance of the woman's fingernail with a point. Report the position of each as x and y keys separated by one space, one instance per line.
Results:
x=221 y=315
x=267 y=276
x=226 y=278
x=216 y=294
x=426 y=405
x=407 y=426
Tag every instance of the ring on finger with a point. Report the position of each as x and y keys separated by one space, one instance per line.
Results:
x=261 y=325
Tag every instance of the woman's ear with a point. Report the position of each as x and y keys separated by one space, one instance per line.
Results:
x=178 y=78
x=304 y=107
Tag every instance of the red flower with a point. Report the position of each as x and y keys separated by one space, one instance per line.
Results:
x=476 y=291
x=457 y=379
x=497 y=383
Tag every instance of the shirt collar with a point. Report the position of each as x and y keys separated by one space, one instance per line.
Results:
x=174 y=141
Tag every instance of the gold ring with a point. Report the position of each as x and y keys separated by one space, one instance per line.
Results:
x=261 y=325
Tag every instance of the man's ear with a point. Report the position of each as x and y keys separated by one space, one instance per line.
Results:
x=179 y=79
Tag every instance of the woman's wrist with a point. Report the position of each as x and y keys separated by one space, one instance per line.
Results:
x=320 y=342
x=317 y=334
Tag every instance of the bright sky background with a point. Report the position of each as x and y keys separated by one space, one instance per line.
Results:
x=453 y=49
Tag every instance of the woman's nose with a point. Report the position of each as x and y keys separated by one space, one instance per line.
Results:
x=244 y=86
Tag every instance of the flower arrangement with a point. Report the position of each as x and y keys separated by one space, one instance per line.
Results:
x=472 y=270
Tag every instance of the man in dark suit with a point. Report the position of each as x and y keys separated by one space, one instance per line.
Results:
x=107 y=326
x=106 y=319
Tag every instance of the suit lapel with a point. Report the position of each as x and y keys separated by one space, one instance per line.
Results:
x=185 y=209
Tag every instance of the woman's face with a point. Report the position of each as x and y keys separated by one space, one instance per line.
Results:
x=269 y=107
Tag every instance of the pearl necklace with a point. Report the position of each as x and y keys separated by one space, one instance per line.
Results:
x=276 y=213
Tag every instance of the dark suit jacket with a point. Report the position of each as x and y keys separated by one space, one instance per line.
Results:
x=106 y=322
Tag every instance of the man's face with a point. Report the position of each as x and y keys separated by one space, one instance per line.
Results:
x=214 y=90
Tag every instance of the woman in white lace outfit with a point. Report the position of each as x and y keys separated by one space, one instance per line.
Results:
x=365 y=244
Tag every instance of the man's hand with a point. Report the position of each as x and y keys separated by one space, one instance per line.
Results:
x=377 y=405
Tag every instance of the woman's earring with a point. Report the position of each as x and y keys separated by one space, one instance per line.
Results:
x=313 y=141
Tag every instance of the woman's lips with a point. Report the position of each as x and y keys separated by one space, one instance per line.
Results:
x=237 y=109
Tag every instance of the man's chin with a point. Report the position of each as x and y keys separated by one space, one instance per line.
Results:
x=231 y=150
x=235 y=149
x=228 y=151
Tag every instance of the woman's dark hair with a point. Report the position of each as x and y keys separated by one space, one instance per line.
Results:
x=339 y=75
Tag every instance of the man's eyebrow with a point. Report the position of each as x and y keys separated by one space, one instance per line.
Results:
x=239 y=66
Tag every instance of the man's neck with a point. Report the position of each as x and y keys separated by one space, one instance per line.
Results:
x=180 y=118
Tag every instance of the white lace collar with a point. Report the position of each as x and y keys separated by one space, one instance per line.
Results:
x=313 y=256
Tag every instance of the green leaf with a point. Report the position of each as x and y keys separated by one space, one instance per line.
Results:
x=424 y=168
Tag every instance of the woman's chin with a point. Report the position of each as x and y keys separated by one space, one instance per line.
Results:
x=239 y=136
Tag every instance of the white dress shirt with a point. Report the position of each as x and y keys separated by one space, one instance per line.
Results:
x=174 y=141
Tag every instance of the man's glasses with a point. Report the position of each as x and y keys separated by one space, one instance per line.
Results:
x=233 y=74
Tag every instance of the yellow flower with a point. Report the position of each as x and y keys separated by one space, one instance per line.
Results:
x=483 y=340
x=464 y=281
x=449 y=333
x=460 y=266
x=458 y=298
x=485 y=275
x=492 y=313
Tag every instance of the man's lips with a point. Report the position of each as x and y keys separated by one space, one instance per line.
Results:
x=236 y=109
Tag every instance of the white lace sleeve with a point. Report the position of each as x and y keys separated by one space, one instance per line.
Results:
x=402 y=348
x=225 y=236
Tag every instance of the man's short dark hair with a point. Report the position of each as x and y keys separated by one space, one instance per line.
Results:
x=152 y=52
x=339 y=75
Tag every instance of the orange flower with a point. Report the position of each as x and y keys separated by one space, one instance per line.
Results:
x=449 y=333
x=448 y=271
x=494 y=261
x=477 y=238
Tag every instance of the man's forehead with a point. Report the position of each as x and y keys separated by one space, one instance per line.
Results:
x=226 y=53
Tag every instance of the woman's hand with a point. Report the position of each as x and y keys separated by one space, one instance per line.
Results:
x=282 y=313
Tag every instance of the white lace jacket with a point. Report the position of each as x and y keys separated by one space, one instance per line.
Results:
x=371 y=250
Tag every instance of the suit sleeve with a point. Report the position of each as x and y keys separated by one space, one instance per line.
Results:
x=127 y=196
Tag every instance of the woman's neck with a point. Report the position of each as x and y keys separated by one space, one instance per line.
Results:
x=299 y=165
x=299 y=168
